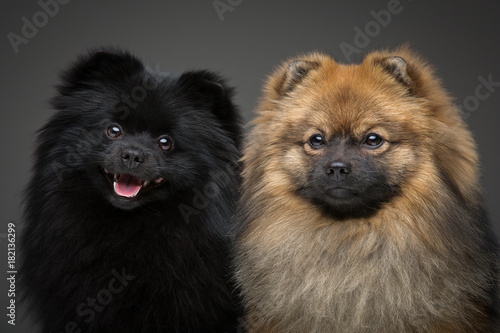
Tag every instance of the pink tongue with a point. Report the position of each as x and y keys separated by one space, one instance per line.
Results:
x=127 y=186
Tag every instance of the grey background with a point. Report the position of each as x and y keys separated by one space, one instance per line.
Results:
x=461 y=38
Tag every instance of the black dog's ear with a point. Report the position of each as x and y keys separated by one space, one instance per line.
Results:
x=295 y=73
x=105 y=66
x=398 y=68
x=212 y=91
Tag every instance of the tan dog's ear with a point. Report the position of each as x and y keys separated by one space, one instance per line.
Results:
x=296 y=71
x=398 y=68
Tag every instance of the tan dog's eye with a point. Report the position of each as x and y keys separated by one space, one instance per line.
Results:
x=373 y=140
x=316 y=141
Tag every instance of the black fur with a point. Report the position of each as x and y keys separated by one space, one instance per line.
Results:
x=157 y=262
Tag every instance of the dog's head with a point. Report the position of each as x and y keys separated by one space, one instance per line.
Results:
x=137 y=136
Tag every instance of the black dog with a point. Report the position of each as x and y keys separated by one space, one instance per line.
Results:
x=130 y=201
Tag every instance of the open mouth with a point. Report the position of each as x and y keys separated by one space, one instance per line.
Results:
x=128 y=186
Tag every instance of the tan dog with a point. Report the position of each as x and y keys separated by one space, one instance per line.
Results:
x=361 y=210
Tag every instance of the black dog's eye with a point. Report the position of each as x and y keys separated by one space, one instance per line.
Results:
x=165 y=143
x=373 y=140
x=316 y=141
x=114 y=131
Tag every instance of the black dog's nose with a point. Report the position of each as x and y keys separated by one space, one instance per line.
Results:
x=132 y=157
x=338 y=170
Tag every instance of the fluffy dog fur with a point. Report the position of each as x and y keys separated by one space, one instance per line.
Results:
x=404 y=245
x=98 y=257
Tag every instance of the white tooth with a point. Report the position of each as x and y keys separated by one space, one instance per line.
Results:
x=145 y=183
x=116 y=177
x=135 y=194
